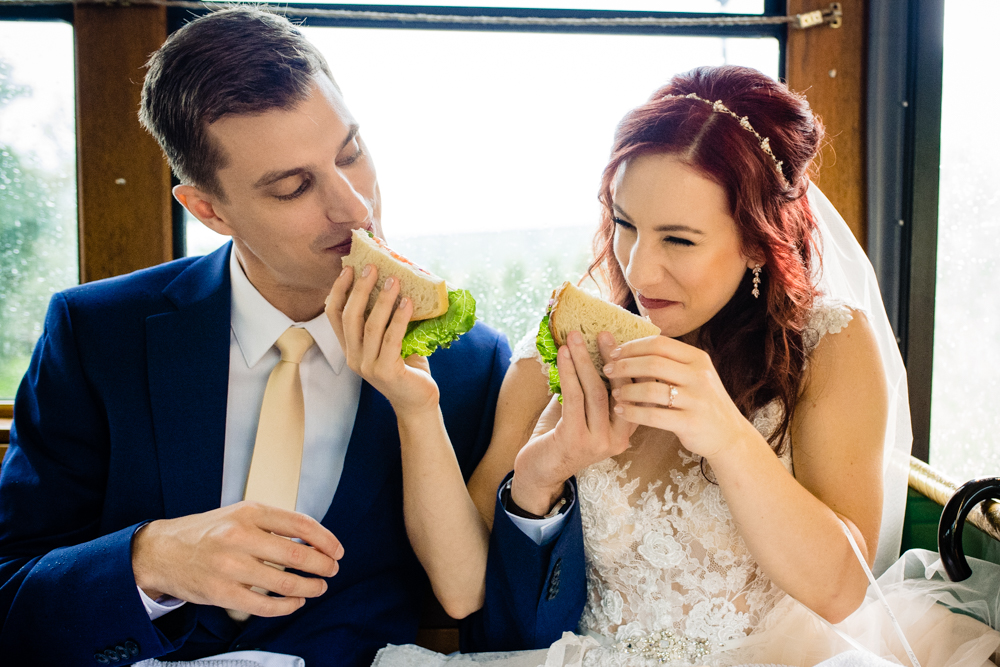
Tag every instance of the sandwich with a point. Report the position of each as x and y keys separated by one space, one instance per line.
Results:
x=572 y=309
x=440 y=315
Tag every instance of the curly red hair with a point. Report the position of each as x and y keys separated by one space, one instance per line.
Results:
x=756 y=344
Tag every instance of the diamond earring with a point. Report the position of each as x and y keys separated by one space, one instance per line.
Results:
x=756 y=281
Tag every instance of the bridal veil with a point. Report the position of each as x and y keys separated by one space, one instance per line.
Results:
x=846 y=275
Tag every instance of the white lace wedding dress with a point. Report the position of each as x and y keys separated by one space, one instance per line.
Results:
x=671 y=581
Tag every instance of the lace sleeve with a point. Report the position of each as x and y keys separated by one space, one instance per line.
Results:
x=526 y=349
x=827 y=317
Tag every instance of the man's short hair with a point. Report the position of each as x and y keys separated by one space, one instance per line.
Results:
x=232 y=61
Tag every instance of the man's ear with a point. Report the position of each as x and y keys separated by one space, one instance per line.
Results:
x=201 y=205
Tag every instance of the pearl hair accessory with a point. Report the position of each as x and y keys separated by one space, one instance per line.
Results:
x=765 y=142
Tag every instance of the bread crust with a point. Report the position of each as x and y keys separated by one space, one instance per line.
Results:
x=572 y=309
x=427 y=292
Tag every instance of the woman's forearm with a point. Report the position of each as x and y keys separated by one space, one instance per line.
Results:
x=446 y=531
x=798 y=540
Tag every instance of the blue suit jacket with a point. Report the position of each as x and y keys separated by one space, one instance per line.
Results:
x=121 y=420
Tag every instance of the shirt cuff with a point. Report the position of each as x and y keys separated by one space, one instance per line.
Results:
x=159 y=607
x=539 y=531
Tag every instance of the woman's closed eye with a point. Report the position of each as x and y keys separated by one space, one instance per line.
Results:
x=672 y=240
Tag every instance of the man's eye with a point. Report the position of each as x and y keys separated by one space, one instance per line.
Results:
x=354 y=157
x=298 y=192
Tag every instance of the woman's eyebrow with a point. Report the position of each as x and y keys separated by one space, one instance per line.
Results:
x=678 y=228
x=662 y=228
x=621 y=212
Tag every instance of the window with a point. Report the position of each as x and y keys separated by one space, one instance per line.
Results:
x=489 y=145
x=965 y=403
x=38 y=227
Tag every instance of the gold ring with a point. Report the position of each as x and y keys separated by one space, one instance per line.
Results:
x=673 y=395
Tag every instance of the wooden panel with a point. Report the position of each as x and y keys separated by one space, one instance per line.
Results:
x=124 y=182
x=6 y=418
x=828 y=66
x=442 y=640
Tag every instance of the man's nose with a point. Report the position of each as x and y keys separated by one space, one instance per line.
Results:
x=344 y=204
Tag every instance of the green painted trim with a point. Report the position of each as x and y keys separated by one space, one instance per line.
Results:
x=920 y=527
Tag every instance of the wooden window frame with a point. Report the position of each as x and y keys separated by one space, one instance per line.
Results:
x=904 y=124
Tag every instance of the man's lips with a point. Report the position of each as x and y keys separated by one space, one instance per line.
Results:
x=653 y=304
x=344 y=246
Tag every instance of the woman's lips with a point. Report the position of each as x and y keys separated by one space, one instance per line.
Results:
x=654 y=304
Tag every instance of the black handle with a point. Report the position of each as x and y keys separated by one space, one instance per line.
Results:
x=965 y=498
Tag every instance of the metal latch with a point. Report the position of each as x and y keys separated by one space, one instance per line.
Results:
x=832 y=15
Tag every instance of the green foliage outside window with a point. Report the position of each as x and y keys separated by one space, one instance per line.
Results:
x=37 y=244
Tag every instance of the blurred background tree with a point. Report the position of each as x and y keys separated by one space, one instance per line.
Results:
x=37 y=212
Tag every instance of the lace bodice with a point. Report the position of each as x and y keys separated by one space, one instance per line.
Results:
x=670 y=556
x=664 y=553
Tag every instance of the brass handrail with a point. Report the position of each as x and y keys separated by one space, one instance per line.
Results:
x=938 y=487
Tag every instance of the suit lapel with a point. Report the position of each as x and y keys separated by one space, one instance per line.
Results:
x=372 y=453
x=188 y=359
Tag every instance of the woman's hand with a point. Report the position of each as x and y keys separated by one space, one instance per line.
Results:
x=373 y=346
x=673 y=386
x=585 y=430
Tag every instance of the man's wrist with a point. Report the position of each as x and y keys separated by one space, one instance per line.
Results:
x=139 y=547
x=535 y=502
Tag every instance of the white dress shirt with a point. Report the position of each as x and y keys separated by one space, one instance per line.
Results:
x=330 y=390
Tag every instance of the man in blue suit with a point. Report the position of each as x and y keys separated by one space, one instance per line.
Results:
x=123 y=534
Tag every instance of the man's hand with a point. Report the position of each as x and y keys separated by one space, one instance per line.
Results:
x=215 y=558
x=570 y=437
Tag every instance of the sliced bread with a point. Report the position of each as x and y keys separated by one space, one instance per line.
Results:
x=574 y=310
x=428 y=293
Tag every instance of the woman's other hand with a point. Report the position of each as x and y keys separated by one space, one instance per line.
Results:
x=570 y=437
x=670 y=385
x=373 y=345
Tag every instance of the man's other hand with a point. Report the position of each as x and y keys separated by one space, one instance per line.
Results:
x=214 y=558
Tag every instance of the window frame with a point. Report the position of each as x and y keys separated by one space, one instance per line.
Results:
x=906 y=55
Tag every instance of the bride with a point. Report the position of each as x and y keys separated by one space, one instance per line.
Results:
x=748 y=465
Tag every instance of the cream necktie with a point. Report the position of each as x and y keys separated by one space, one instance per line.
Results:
x=277 y=452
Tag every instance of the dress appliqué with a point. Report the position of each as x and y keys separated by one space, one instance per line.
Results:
x=670 y=558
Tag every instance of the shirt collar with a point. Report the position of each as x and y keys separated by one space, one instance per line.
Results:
x=257 y=324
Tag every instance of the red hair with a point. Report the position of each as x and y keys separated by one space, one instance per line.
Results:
x=756 y=345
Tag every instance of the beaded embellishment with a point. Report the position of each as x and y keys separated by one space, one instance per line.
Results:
x=765 y=142
x=666 y=646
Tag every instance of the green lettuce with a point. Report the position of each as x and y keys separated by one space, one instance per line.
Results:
x=548 y=350
x=425 y=336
